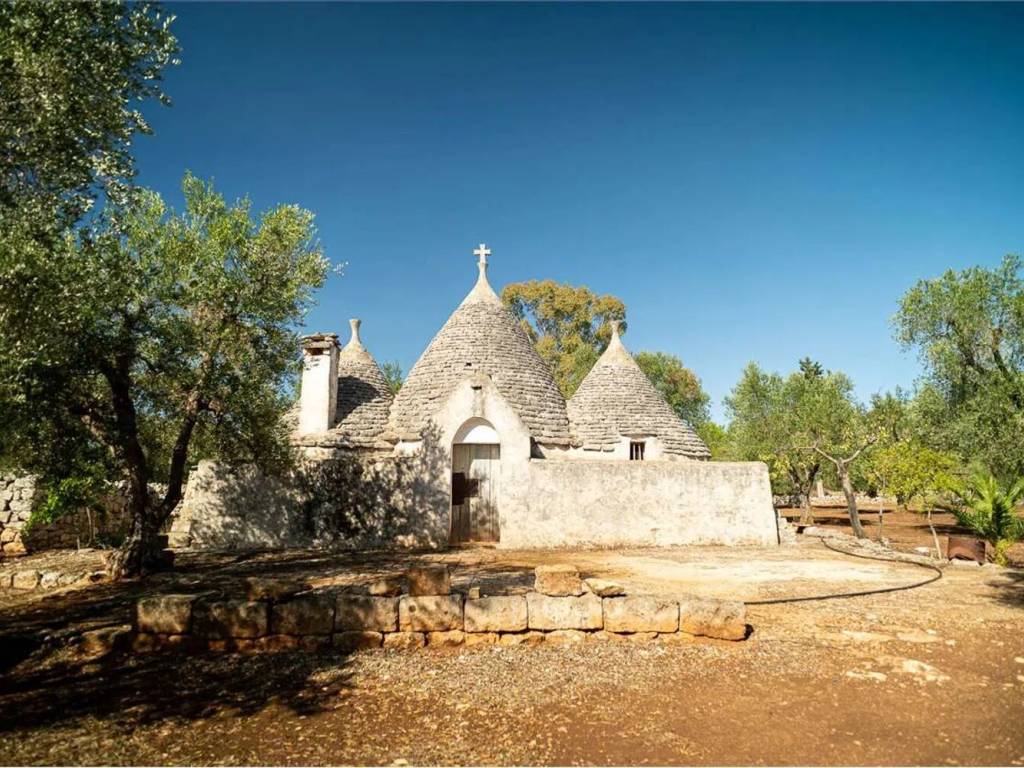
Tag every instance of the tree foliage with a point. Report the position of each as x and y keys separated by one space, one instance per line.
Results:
x=392 y=371
x=568 y=325
x=911 y=471
x=74 y=77
x=968 y=327
x=765 y=412
x=150 y=333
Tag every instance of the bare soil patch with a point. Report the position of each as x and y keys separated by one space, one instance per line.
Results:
x=905 y=529
x=930 y=676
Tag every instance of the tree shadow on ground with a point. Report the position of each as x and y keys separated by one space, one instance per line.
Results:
x=136 y=690
x=1010 y=584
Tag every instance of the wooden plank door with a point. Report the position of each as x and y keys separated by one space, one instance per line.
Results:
x=475 y=473
x=461 y=458
x=484 y=468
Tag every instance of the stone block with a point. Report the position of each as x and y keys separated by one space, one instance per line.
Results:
x=7 y=535
x=144 y=642
x=641 y=637
x=97 y=643
x=25 y=580
x=164 y=614
x=521 y=638
x=565 y=637
x=284 y=643
x=304 y=615
x=674 y=638
x=49 y=579
x=450 y=639
x=557 y=580
x=15 y=548
x=496 y=614
x=606 y=637
x=473 y=593
x=263 y=588
x=179 y=539
x=547 y=613
x=361 y=612
x=429 y=580
x=279 y=643
x=405 y=640
x=722 y=619
x=233 y=645
x=229 y=619
x=604 y=588
x=481 y=638
x=640 y=614
x=349 y=642
x=390 y=586
x=436 y=613
x=6 y=579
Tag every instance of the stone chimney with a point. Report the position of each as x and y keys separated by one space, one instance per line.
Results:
x=319 y=397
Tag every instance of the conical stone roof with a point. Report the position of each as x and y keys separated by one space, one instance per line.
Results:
x=364 y=397
x=616 y=399
x=482 y=336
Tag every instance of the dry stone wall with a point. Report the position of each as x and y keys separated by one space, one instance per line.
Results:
x=80 y=528
x=278 y=619
x=17 y=497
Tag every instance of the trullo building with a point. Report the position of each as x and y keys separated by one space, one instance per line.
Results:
x=479 y=445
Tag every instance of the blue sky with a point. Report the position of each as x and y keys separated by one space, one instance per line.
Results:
x=756 y=182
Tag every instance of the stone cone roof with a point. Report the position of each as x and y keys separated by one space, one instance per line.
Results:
x=617 y=399
x=364 y=397
x=482 y=336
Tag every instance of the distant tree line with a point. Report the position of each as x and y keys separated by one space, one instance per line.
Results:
x=954 y=441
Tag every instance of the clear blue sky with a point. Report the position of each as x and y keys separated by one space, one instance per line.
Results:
x=756 y=182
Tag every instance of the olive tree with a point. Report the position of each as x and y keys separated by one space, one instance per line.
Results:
x=74 y=78
x=968 y=328
x=148 y=332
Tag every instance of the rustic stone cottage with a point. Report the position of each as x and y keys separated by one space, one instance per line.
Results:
x=479 y=445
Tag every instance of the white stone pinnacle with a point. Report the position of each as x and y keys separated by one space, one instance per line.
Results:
x=482 y=291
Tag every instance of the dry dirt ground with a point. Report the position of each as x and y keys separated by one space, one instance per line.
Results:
x=933 y=675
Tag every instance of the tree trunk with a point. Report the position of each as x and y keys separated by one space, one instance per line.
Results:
x=138 y=550
x=881 y=514
x=851 y=500
x=139 y=553
x=806 y=518
x=935 y=536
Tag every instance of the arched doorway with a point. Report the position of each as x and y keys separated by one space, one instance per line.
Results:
x=476 y=464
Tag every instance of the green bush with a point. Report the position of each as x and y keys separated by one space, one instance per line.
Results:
x=989 y=510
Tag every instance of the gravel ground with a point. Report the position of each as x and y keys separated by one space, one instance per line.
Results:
x=930 y=676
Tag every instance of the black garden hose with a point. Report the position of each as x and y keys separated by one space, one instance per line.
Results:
x=863 y=593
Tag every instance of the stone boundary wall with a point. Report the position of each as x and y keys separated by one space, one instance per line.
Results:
x=271 y=616
x=26 y=579
x=18 y=497
x=792 y=501
x=405 y=502
x=639 y=503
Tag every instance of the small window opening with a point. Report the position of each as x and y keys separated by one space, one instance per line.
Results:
x=636 y=450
